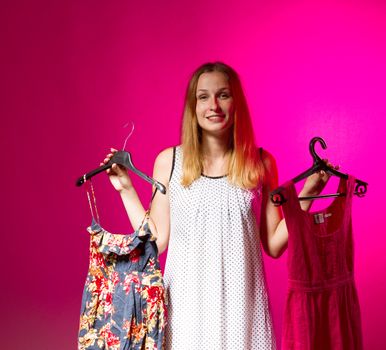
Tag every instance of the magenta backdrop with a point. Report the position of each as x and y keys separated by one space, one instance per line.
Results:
x=74 y=72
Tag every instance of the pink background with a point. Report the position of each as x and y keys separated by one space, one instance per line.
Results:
x=74 y=72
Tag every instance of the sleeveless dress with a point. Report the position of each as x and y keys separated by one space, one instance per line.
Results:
x=123 y=300
x=322 y=308
x=214 y=274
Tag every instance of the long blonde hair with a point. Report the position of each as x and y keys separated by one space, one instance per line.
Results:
x=245 y=167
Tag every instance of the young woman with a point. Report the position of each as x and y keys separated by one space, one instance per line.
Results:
x=213 y=218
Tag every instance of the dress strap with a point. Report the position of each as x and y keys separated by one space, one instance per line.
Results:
x=152 y=196
x=92 y=204
x=349 y=187
x=174 y=161
x=145 y=219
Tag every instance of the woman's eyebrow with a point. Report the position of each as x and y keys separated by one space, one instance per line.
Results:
x=220 y=89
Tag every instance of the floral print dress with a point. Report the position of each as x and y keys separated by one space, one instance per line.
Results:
x=123 y=304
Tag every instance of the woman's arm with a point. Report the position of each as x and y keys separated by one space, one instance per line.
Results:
x=159 y=221
x=274 y=233
x=160 y=208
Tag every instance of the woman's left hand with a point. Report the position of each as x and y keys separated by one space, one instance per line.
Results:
x=315 y=183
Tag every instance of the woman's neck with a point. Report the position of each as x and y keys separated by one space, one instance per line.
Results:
x=215 y=155
x=214 y=146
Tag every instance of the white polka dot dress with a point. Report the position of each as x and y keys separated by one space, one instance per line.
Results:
x=214 y=274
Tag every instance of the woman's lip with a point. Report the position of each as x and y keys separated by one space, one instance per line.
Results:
x=215 y=116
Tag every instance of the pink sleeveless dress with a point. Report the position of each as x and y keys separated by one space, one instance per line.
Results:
x=322 y=308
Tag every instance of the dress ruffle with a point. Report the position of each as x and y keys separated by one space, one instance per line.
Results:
x=119 y=244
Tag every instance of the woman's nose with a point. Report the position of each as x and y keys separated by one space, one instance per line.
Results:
x=214 y=104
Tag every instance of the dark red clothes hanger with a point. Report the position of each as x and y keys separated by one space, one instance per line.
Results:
x=122 y=158
x=277 y=196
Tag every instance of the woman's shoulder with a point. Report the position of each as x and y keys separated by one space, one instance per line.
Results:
x=270 y=168
x=164 y=162
x=267 y=158
x=166 y=155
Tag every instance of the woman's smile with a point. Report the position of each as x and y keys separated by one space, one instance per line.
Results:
x=216 y=117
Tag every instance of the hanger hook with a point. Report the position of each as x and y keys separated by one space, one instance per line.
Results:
x=312 y=148
x=128 y=136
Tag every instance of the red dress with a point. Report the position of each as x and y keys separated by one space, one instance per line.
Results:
x=322 y=307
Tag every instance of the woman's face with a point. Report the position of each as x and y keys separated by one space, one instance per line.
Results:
x=214 y=106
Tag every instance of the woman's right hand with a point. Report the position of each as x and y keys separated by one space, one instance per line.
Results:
x=118 y=175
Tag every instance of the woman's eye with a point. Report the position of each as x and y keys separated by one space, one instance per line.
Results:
x=202 y=97
x=224 y=95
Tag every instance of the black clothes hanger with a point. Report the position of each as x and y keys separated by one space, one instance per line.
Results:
x=122 y=158
x=277 y=196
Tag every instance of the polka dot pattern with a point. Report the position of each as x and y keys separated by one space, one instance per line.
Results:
x=214 y=273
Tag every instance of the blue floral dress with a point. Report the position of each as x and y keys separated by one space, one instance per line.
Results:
x=123 y=304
